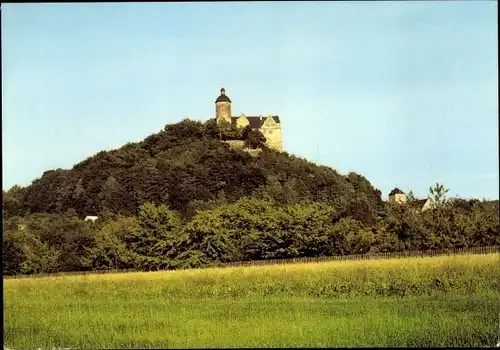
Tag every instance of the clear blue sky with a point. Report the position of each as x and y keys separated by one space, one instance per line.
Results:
x=405 y=93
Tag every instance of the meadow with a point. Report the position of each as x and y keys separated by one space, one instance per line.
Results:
x=431 y=301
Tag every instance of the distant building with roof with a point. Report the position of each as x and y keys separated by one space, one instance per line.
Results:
x=422 y=204
x=398 y=196
x=269 y=126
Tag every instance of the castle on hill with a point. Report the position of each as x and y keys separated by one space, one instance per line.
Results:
x=269 y=126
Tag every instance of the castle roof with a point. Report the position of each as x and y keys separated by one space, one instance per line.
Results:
x=222 y=97
x=396 y=191
x=255 y=121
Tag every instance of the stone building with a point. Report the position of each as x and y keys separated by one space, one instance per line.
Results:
x=269 y=126
x=398 y=196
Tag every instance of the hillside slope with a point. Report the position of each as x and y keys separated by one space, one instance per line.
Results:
x=186 y=166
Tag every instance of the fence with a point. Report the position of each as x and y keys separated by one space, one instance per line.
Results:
x=367 y=256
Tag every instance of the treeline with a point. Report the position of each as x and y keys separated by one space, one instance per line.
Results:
x=249 y=229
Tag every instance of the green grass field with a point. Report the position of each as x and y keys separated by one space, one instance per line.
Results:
x=435 y=301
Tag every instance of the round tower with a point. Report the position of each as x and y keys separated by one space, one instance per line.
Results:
x=223 y=107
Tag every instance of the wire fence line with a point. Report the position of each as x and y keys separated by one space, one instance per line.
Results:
x=303 y=260
x=367 y=256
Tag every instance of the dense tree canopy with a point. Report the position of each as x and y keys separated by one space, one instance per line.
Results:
x=183 y=198
x=186 y=163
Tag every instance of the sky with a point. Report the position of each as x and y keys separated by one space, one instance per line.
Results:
x=404 y=93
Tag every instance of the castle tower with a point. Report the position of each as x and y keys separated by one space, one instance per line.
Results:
x=223 y=107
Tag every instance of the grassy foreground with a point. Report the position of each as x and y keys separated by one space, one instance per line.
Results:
x=435 y=301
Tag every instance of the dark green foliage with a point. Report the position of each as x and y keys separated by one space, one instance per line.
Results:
x=248 y=229
x=438 y=193
x=184 y=163
x=453 y=224
x=253 y=138
x=13 y=202
x=348 y=236
x=47 y=243
x=109 y=249
x=152 y=242
x=225 y=130
x=24 y=253
x=182 y=198
x=255 y=229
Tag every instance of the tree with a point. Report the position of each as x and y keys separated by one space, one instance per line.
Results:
x=110 y=195
x=24 y=253
x=227 y=131
x=348 y=236
x=109 y=250
x=154 y=239
x=78 y=197
x=245 y=132
x=13 y=201
x=253 y=138
x=410 y=197
x=209 y=235
x=65 y=233
x=438 y=194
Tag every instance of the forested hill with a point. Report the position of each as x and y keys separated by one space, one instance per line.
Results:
x=187 y=167
x=148 y=197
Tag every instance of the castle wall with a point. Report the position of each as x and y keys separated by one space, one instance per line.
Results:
x=274 y=139
x=240 y=144
x=223 y=111
x=398 y=198
x=242 y=122
x=236 y=144
x=272 y=132
x=253 y=152
x=428 y=205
